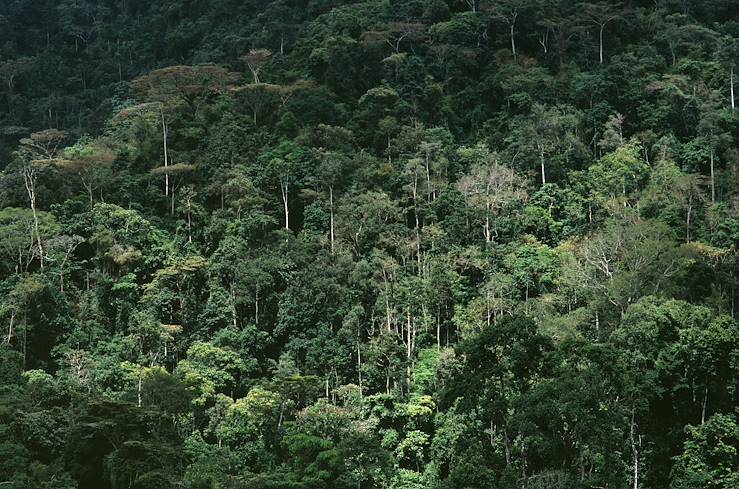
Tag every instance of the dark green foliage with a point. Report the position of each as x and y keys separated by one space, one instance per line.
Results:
x=383 y=244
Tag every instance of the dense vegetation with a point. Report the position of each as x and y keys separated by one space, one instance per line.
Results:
x=382 y=244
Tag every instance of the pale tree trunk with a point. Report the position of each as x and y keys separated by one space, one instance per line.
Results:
x=713 y=178
x=282 y=415
x=635 y=440
x=506 y=443
x=331 y=210
x=543 y=170
x=600 y=46
x=438 y=329
x=410 y=335
x=513 y=39
x=166 y=153
x=29 y=178
x=488 y=205
x=359 y=369
x=388 y=313
x=284 y=188
x=256 y=307
x=233 y=304
x=705 y=403
x=415 y=215
x=543 y=39
x=731 y=86
x=138 y=393
x=89 y=187
x=10 y=328
x=189 y=224
x=687 y=219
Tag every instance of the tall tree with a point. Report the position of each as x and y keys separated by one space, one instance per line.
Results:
x=174 y=87
x=489 y=186
x=509 y=11
x=601 y=14
x=36 y=151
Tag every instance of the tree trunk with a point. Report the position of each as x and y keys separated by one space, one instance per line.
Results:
x=256 y=307
x=687 y=220
x=600 y=52
x=635 y=445
x=359 y=369
x=488 y=233
x=731 y=88
x=10 y=328
x=705 y=402
x=189 y=224
x=513 y=39
x=284 y=187
x=88 y=187
x=713 y=179
x=29 y=178
x=409 y=350
x=233 y=304
x=138 y=393
x=543 y=171
x=166 y=153
x=438 y=334
x=506 y=443
x=331 y=210
x=417 y=221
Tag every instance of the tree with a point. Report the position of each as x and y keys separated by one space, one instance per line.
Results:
x=709 y=455
x=331 y=171
x=616 y=179
x=544 y=132
x=46 y=144
x=728 y=54
x=21 y=231
x=36 y=151
x=62 y=247
x=255 y=60
x=211 y=370
x=91 y=162
x=508 y=11
x=710 y=129
x=175 y=86
x=258 y=97
x=564 y=28
x=172 y=172
x=670 y=188
x=623 y=262
x=489 y=186
x=500 y=364
x=601 y=14
x=284 y=164
x=394 y=33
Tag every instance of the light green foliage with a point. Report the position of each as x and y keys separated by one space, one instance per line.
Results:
x=438 y=244
x=211 y=370
x=709 y=456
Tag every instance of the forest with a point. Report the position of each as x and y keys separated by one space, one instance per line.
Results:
x=392 y=244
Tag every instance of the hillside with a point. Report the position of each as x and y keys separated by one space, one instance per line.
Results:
x=398 y=244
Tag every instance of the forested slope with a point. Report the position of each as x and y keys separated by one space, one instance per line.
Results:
x=381 y=244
